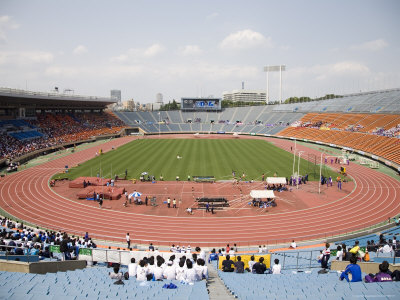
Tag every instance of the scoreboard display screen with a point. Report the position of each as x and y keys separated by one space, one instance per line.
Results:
x=200 y=104
x=209 y=103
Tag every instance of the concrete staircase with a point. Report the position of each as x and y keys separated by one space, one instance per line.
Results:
x=216 y=288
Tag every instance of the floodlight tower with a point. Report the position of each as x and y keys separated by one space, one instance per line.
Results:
x=279 y=68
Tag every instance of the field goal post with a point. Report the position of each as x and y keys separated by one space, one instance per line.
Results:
x=312 y=169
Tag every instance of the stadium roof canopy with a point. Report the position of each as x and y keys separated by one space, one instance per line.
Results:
x=12 y=98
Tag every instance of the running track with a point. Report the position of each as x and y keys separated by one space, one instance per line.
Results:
x=27 y=195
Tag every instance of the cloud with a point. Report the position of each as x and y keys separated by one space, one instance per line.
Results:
x=347 y=67
x=204 y=70
x=136 y=54
x=149 y=71
x=245 y=39
x=374 y=45
x=120 y=58
x=113 y=71
x=6 y=23
x=25 y=58
x=342 y=68
x=79 y=50
x=189 y=50
x=213 y=15
x=285 y=47
x=153 y=50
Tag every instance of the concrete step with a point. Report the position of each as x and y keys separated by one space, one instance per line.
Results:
x=216 y=288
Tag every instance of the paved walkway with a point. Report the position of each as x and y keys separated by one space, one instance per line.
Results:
x=216 y=288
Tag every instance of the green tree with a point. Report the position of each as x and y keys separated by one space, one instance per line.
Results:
x=170 y=106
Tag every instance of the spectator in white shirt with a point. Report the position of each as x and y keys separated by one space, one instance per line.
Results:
x=158 y=271
x=151 y=265
x=170 y=271
x=116 y=274
x=142 y=271
x=260 y=250
x=386 y=249
x=180 y=270
x=128 y=240
x=172 y=259
x=202 y=253
x=190 y=273
x=198 y=270
x=235 y=248
x=276 y=268
x=202 y=264
x=132 y=268
x=293 y=245
x=339 y=253
x=251 y=263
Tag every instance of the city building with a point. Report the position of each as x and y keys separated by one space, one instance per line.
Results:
x=245 y=96
x=116 y=94
x=159 y=98
x=129 y=105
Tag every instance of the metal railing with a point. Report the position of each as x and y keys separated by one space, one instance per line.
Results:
x=8 y=254
x=308 y=259
x=304 y=259
x=390 y=256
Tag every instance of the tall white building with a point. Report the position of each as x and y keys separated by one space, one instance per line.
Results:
x=117 y=95
x=159 y=98
x=245 y=96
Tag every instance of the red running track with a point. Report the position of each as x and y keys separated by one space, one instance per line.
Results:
x=27 y=196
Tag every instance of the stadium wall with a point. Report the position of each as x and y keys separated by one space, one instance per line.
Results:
x=42 y=267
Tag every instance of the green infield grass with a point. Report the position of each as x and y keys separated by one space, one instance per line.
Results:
x=198 y=157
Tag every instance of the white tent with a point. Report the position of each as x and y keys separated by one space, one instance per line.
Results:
x=276 y=180
x=260 y=194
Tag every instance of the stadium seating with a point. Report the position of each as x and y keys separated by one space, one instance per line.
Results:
x=247 y=117
x=332 y=129
x=295 y=285
x=362 y=240
x=20 y=137
x=91 y=283
x=24 y=135
x=372 y=102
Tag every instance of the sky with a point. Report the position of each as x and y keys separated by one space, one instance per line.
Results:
x=199 y=48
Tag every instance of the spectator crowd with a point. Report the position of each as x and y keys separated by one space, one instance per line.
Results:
x=27 y=241
x=58 y=129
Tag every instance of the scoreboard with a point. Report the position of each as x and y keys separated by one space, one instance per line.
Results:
x=200 y=104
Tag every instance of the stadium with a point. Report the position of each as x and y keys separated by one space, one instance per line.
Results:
x=223 y=159
x=199 y=150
